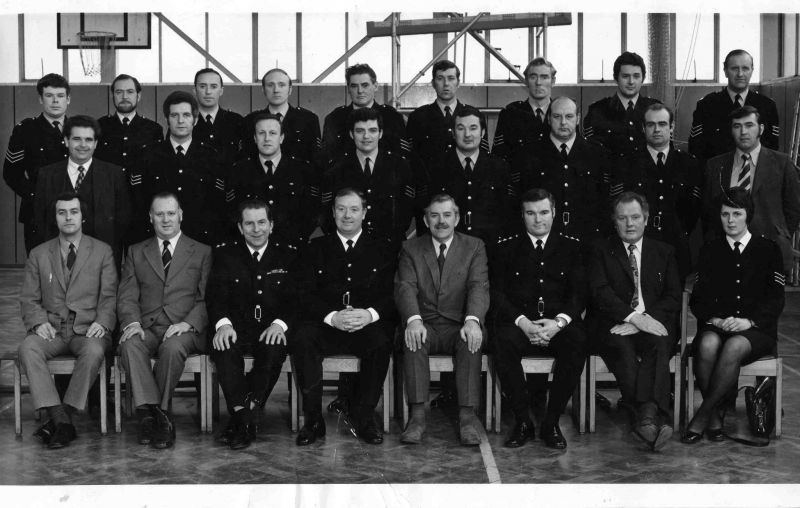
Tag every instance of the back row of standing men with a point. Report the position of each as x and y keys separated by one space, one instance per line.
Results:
x=214 y=158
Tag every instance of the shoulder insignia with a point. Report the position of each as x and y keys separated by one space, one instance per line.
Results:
x=776 y=130
x=588 y=131
x=15 y=157
x=780 y=278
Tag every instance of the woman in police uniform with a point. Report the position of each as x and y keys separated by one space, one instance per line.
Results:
x=737 y=299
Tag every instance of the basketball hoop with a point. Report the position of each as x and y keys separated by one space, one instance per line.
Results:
x=91 y=45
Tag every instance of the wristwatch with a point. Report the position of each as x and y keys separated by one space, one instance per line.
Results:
x=561 y=322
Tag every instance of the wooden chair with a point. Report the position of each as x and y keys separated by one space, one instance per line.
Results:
x=195 y=364
x=444 y=363
x=58 y=365
x=544 y=365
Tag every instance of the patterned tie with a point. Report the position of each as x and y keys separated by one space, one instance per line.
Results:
x=564 y=154
x=635 y=270
x=660 y=162
x=79 y=180
x=166 y=257
x=448 y=115
x=540 y=115
x=737 y=101
x=440 y=259
x=468 y=166
x=125 y=121
x=744 y=175
x=736 y=249
x=209 y=120
x=269 y=165
x=367 y=168
x=179 y=151
x=349 y=248
x=71 y=256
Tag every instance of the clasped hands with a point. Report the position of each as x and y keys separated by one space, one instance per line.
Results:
x=350 y=319
x=416 y=334
x=640 y=323
x=732 y=324
x=539 y=332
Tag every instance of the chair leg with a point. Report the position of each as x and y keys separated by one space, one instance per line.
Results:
x=590 y=392
x=689 y=391
x=778 y=396
x=295 y=400
x=205 y=423
x=581 y=402
x=103 y=399
x=117 y=397
x=387 y=404
x=498 y=403
x=17 y=399
x=676 y=406
x=405 y=406
x=390 y=379
x=489 y=393
x=128 y=397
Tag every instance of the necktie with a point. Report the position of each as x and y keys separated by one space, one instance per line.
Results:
x=468 y=166
x=736 y=249
x=125 y=121
x=737 y=101
x=635 y=270
x=255 y=256
x=629 y=109
x=447 y=114
x=440 y=259
x=179 y=150
x=79 y=180
x=71 y=256
x=744 y=174
x=57 y=125
x=166 y=257
x=349 y=248
x=564 y=154
x=660 y=162
x=539 y=250
x=209 y=120
x=269 y=168
x=539 y=114
x=280 y=117
x=367 y=168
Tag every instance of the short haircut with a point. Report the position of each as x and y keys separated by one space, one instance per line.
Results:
x=266 y=116
x=208 y=70
x=736 y=52
x=657 y=106
x=630 y=197
x=629 y=58
x=123 y=77
x=81 y=121
x=350 y=191
x=363 y=115
x=743 y=112
x=443 y=65
x=276 y=69
x=561 y=98
x=359 y=68
x=537 y=194
x=69 y=196
x=441 y=198
x=472 y=111
x=737 y=197
x=252 y=204
x=53 y=81
x=179 y=97
x=537 y=62
x=165 y=195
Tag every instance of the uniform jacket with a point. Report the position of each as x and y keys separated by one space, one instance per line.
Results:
x=144 y=292
x=775 y=192
x=711 y=130
x=251 y=295
x=430 y=134
x=749 y=287
x=301 y=136
x=517 y=130
x=90 y=292
x=336 y=138
x=34 y=143
x=607 y=124
x=122 y=145
x=462 y=290
x=225 y=134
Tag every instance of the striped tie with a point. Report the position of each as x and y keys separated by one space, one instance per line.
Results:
x=166 y=257
x=744 y=175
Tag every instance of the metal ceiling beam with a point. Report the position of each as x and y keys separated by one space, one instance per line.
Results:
x=347 y=54
x=454 y=24
x=497 y=55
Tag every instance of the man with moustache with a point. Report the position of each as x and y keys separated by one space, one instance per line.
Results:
x=441 y=290
x=36 y=142
x=125 y=134
x=250 y=302
x=300 y=126
x=522 y=124
x=162 y=314
x=635 y=299
x=221 y=128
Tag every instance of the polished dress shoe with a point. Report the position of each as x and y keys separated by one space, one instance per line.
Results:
x=663 y=436
x=243 y=434
x=145 y=431
x=715 y=435
x=311 y=431
x=46 y=431
x=691 y=437
x=369 y=431
x=340 y=405
x=522 y=433
x=553 y=438
x=414 y=432
x=468 y=431
x=225 y=436
x=163 y=431
x=64 y=434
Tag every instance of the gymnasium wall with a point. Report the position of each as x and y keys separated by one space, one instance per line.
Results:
x=19 y=101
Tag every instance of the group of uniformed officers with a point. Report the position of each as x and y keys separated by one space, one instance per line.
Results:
x=263 y=236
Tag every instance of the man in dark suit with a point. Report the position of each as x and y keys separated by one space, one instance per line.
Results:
x=345 y=282
x=538 y=295
x=290 y=186
x=635 y=300
x=521 y=125
x=250 y=303
x=362 y=85
x=301 y=136
x=68 y=303
x=710 y=134
x=36 y=142
x=221 y=128
x=770 y=176
x=186 y=167
x=616 y=122
x=162 y=312
x=125 y=133
x=441 y=290
x=101 y=186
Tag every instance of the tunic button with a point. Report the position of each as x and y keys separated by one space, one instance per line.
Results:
x=369 y=191
x=270 y=187
x=349 y=265
x=211 y=136
x=631 y=138
x=270 y=201
x=124 y=154
x=541 y=281
x=737 y=281
x=738 y=297
x=180 y=171
x=469 y=228
x=179 y=188
x=348 y=279
x=566 y=184
x=566 y=203
x=469 y=197
x=661 y=181
x=630 y=123
x=661 y=197
x=541 y=263
x=259 y=291
x=737 y=265
x=566 y=166
x=258 y=277
x=369 y=207
x=125 y=138
x=469 y=182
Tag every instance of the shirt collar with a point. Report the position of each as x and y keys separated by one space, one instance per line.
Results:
x=732 y=94
x=213 y=114
x=557 y=142
x=543 y=239
x=129 y=116
x=186 y=144
x=362 y=157
x=276 y=159
x=453 y=105
x=50 y=119
x=368 y=106
x=754 y=153
x=624 y=100
x=543 y=105
x=654 y=153
x=743 y=240
x=474 y=157
x=172 y=242
x=73 y=166
x=260 y=251
x=282 y=109
x=637 y=244
x=344 y=239
x=447 y=245
x=64 y=244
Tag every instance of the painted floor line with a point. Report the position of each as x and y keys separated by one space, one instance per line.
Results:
x=488 y=458
x=783 y=336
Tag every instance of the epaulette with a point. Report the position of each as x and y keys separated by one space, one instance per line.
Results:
x=507 y=238
x=562 y=235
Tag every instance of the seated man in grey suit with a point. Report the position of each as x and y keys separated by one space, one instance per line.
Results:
x=162 y=312
x=67 y=301
x=442 y=293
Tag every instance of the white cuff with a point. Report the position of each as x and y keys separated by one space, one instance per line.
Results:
x=222 y=322
x=374 y=314
x=412 y=318
x=628 y=319
x=472 y=318
x=565 y=317
x=519 y=318
x=281 y=323
x=125 y=328
x=329 y=318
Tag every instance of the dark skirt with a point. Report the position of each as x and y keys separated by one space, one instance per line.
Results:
x=761 y=344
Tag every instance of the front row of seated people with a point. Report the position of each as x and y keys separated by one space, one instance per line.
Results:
x=337 y=296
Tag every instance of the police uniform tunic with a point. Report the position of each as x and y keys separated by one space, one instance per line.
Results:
x=224 y=134
x=430 y=133
x=711 y=130
x=518 y=129
x=301 y=136
x=336 y=138
x=121 y=144
x=607 y=122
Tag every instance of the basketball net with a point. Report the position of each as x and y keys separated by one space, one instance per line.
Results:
x=91 y=45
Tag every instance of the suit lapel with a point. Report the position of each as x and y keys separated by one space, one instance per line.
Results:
x=151 y=254
x=619 y=251
x=764 y=166
x=725 y=172
x=84 y=250
x=56 y=263
x=429 y=254
x=183 y=252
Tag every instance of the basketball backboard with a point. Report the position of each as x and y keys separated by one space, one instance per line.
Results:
x=132 y=29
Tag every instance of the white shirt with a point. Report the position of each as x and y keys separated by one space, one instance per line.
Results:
x=462 y=157
x=557 y=142
x=733 y=94
x=276 y=159
x=186 y=144
x=282 y=109
x=654 y=153
x=362 y=159
x=72 y=170
x=534 y=239
x=213 y=114
x=129 y=116
x=743 y=241
x=738 y=164
x=543 y=105
x=452 y=105
x=625 y=100
x=374 y=313
x=638 y=253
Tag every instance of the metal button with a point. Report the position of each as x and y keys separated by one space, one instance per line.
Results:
x=260 y=292
x=179 y=188
x=180 y=171
x=258 y=277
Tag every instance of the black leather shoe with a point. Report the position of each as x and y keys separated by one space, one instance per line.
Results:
x=243 y=435
x=164 y=430
x=522 y=433
x=46 y=431
x=64 y=434
x=715 y=435
x=145 y=432
x=340 y=405
x=310 y=432
x=691 y=437
x=225 y=436
x=553 y=438
x=369 y=431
